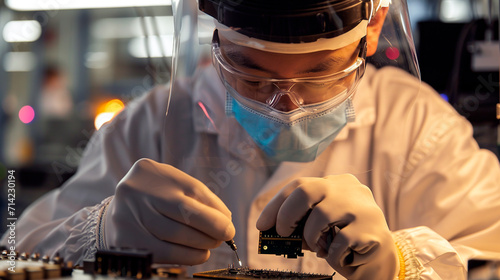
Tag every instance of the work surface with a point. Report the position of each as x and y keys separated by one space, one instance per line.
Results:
x=137 y=265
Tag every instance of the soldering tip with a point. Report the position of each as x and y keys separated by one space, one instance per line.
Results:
x=234 y=248
x=238 y=257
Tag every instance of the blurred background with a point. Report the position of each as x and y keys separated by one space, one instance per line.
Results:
x=68 y=66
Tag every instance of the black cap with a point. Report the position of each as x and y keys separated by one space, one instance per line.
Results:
x=289 y=21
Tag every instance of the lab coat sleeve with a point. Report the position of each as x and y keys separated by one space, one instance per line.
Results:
x=448 y=205
x=64 y=220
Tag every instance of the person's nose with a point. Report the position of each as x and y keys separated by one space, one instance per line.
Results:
x=283 y=102
x=284 y=99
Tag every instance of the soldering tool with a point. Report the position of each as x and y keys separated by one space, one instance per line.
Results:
x=234 y=248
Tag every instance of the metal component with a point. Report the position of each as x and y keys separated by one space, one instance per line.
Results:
x=35 y=256
x=234 y=248
x=23 y=256
x=45 y=259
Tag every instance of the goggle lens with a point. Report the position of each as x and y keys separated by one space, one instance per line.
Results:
x=299 y=91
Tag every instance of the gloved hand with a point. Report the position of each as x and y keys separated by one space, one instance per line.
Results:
x=162 y=209
x=361 y=247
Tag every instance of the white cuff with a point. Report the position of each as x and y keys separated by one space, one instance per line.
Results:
x=93 y=229
x=101 y=244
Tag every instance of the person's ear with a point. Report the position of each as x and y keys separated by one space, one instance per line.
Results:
x=374 y=29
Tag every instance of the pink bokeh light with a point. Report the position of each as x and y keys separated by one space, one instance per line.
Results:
x=26 y=114
x=392 y=53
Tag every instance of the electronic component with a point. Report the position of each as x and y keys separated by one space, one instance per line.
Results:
x=129 y=264
x=270 y=242
x=121 y=262
x=245 y=273
x=15 y=266
x=234 y=248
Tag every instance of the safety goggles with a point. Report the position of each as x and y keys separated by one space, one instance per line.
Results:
x=302 y=92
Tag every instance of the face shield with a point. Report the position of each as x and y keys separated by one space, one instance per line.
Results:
x=288 y=70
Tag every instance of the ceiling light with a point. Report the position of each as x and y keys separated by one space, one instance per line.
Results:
x=137 y=46
x=37 y=5
x=110 y=28
x=22 y=31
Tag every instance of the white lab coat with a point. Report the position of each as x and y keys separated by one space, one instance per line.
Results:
x=440 y=193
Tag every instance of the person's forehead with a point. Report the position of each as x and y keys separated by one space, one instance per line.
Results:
x=281 y=64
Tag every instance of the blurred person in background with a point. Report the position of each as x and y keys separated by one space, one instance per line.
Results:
x=55 y=99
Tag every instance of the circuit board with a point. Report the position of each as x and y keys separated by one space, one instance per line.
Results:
x=245 y=273
x=270 y=242
x=127 y=264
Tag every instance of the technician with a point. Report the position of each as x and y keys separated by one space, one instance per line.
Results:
x=297 y=112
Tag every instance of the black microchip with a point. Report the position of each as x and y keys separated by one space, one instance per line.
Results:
x=270 y=242
x=123 y=262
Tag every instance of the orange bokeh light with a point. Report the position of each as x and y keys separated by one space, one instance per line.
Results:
x=107 y=111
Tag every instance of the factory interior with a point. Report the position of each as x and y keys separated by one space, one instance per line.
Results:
x=68 y=67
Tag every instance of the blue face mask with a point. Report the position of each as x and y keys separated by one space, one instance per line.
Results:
x=291 y=136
